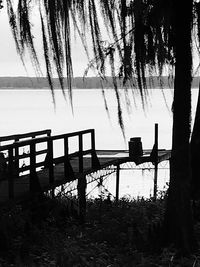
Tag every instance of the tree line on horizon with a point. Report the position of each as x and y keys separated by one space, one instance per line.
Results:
x=154 y=82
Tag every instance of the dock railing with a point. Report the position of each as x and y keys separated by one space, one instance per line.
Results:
x=20 y=137
x=14 y=170
x=10 y=139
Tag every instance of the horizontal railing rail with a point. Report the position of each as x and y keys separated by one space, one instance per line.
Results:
x=18 y=137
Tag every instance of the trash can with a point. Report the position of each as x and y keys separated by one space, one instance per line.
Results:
x=135 y=148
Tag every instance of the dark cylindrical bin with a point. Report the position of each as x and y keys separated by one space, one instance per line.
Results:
x=135 y=148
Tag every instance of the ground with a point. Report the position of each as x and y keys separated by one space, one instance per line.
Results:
x=47 y=233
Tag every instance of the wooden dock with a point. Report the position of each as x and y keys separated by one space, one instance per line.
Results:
x=45 y=171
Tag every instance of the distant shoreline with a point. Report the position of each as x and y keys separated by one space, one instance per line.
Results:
x=65 y=89
x=16 y=83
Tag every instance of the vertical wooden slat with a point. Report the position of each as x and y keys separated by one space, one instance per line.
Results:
x=11 y=174
x=93 y=139
x=49 y=133
x=117 y=182
x=32 y=167
x=95 y=161
x=80 y=137
x=93 y=148
x=81 y=183
x=50 y=154
x=16 y=159
x=66 y=152
x=156 y=162
x=68 y=170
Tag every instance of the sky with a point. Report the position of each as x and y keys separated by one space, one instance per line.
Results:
x=10 y=62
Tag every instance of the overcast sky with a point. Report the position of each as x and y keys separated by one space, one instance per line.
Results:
x=10 y=63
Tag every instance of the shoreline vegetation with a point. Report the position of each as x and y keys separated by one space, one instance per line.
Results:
x=46 y=232
x=82 y=83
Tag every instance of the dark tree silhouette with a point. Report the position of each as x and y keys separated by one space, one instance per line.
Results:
x=195 y=138
x=144 y=37
x=178 y=214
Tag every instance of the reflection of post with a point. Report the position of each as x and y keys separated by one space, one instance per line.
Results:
x=155 y=162
x=117 y=182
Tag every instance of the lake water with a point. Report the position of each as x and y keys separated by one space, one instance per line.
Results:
x=31 y=110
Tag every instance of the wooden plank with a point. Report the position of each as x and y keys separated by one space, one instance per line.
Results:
x=25 y=143
x=62 y=136
x=25 y=135
x=42 y=139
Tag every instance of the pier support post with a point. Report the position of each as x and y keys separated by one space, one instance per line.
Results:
x=117 y=182
x=69 y=174
x=34 y=181
x=155 y=162
x=50 y=161
x=82 y=183
x=16 y=161
x=11 y=172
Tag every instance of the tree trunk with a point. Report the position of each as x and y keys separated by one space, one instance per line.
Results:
x=195 y=154
x=178 y=218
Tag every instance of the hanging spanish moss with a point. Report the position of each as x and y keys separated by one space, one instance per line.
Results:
x=139 y=37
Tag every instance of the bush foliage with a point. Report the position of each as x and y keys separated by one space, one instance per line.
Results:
x=123 y=233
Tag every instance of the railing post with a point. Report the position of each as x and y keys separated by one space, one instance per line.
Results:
x=82 y=183
x=34 y=182
x=67 y=166
x=16 y=160
x=155 y=162
x=95 y=161
x=117 y=182
x=50 y=155
x=93 y=140
x=66 y=152
x=11 y=172
x=80 y=137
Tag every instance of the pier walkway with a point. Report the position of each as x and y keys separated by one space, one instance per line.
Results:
x=29 y=164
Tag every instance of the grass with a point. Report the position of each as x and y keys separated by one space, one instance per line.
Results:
x=47 y=233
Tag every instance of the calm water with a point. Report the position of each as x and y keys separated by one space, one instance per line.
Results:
x=31 y=110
